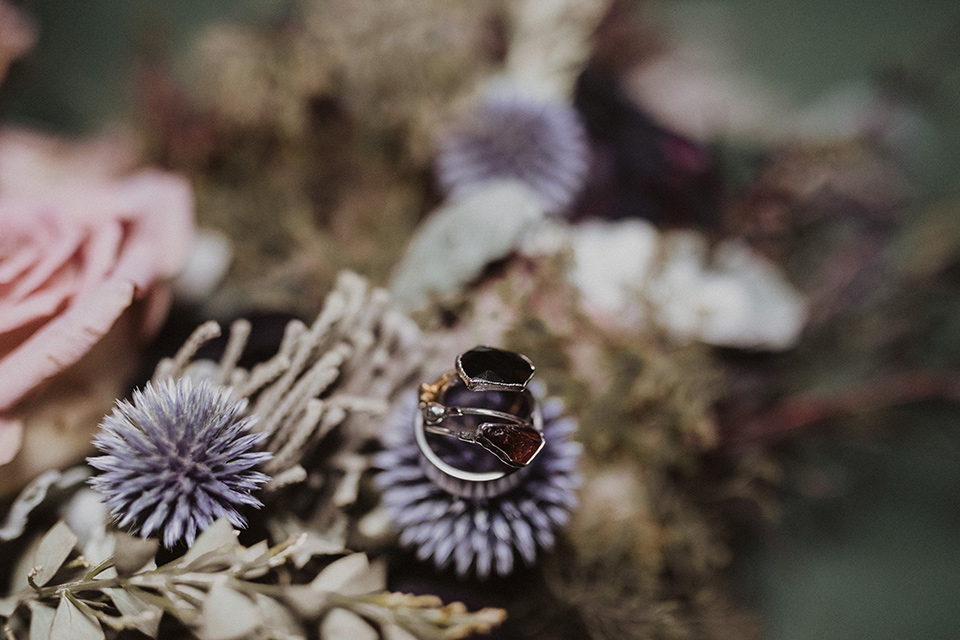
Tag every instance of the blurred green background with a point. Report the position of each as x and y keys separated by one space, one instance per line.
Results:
x=869 y=542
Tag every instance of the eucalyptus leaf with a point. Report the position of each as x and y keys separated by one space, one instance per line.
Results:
x=331 y=541
x=278 y=621
x=228 y=615
x=54 y=548
x=217 y=536
x=457 y=241
x=87 y=515
x=74 y=623
x=306 y=601
x=34 y=494
x=339 y=575
x=132 y=553
x=256 y=560
x=371 y=580
x=393 y=632
x=340 y=623
x=143 y=616
x=186 y=598
x=41 y=621
x=425 y=615
x=8 y=605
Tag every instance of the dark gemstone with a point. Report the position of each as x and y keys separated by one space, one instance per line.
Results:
x=486 y=368
x=515 y=445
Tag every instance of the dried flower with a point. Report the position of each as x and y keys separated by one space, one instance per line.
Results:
x=177 y=459
x=480 y=533
x=551 y=41
x=427 y=56
x=631 y=275
x=86 y=249
x=321 y=397
x=17 y=34
x=539 y=142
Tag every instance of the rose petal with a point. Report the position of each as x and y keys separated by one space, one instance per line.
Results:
x=63 y=340
x=54 y=257
x=13 y=266
x=100 y=254
x=15 y=315
x=34 y=164
x=156 y=306
x=17 y=35
x=162 y=206
x=17 y=32
x=11 y=437
x=81 y=243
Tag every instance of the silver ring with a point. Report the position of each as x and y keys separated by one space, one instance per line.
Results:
x=460 y=482
x=508 y=425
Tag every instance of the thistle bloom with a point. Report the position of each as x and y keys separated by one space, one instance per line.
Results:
x=178 y=458
x=480 y=534
x=539 y=142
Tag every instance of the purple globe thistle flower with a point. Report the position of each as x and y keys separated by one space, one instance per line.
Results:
x=482 y=534
x=176 y=459
x=541 y=143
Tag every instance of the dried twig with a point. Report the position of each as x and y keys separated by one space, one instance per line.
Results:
x=799 y=413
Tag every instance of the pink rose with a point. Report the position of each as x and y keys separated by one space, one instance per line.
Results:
x=17 y=35
x=79 y=244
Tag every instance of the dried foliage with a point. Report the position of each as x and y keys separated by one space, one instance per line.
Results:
x=326 y=120
x=44 y=487
x=336 y=377
x=403 y=65
x=651 y=507
x=550 y=42
x=219 y=589
x=615 y=600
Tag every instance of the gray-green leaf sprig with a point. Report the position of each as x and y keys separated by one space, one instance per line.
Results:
x=221 y=590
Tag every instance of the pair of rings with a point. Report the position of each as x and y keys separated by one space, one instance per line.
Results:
x=478 y=426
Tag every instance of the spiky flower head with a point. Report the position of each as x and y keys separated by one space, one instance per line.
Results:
x=539 y=142
x=474 y=534
x=178 y=458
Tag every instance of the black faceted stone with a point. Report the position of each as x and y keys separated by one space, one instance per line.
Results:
x=485 y=368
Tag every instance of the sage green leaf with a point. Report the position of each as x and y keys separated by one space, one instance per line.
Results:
x=306 y=601
x=256 y=552
x=278 y=621
x=340 y=623
x=218 y=535
x=132 y=553
x=143 y=616
x=34 y=494
x=74 y=623
x=228 y=615
x=54 y=548
x=331 y=541
x=463 y=236
x=393 y=632
x=8 y=605
x=41 y=621
x=350 y=575
x=185 y=599
x=426 y=616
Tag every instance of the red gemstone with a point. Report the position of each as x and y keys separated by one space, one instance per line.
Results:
x=515 y=445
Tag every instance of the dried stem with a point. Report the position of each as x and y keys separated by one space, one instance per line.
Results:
x=799 y=413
